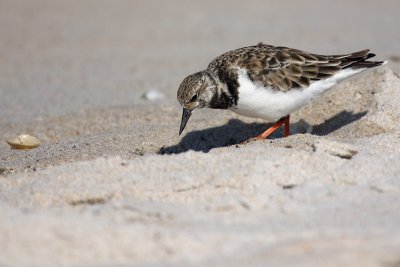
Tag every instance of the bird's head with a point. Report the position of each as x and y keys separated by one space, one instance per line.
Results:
x=196 y=91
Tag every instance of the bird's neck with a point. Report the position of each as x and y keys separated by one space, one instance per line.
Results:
x=226 y=93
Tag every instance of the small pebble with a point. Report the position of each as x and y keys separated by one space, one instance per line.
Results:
x=153 y=95
x=357 y=96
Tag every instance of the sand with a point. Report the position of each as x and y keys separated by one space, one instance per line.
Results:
x=114 y=185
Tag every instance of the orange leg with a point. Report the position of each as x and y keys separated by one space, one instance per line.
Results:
x=275 y=127
x=286 y=132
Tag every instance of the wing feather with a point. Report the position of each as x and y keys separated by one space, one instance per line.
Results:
x=283 y=68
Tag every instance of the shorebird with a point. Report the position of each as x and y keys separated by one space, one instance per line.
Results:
x=267 y=82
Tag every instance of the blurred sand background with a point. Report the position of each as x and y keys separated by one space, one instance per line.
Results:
x=113 y=184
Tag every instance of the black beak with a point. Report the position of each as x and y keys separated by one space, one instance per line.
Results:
x=185 y=117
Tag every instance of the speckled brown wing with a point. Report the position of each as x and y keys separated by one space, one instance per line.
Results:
x=283 y=68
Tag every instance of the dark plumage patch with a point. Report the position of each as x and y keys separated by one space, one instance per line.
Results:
x=222 y=101
x=230 y=78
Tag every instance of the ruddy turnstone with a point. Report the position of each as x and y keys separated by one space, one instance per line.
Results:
x=267 y=82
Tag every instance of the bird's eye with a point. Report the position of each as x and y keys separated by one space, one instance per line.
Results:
x=194 y=98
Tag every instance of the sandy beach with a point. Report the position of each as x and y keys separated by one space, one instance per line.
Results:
x=112 y=183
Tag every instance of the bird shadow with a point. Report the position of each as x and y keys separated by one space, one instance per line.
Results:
x=231 y=133
x=235 y=132
x=337 y=121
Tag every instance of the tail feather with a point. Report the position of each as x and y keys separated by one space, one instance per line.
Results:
x=359 y=59
x=367 y=64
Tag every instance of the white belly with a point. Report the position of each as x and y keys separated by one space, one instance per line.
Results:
x=260 y=102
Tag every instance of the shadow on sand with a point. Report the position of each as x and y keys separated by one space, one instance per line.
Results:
x=236 y=131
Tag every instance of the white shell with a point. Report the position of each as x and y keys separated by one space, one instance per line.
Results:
x=24 y=141
x=153 y=95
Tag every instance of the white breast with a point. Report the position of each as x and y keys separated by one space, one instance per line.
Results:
x=262 y=102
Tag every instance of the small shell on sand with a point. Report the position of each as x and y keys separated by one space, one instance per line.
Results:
x=153 y=95
x=24 y=141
